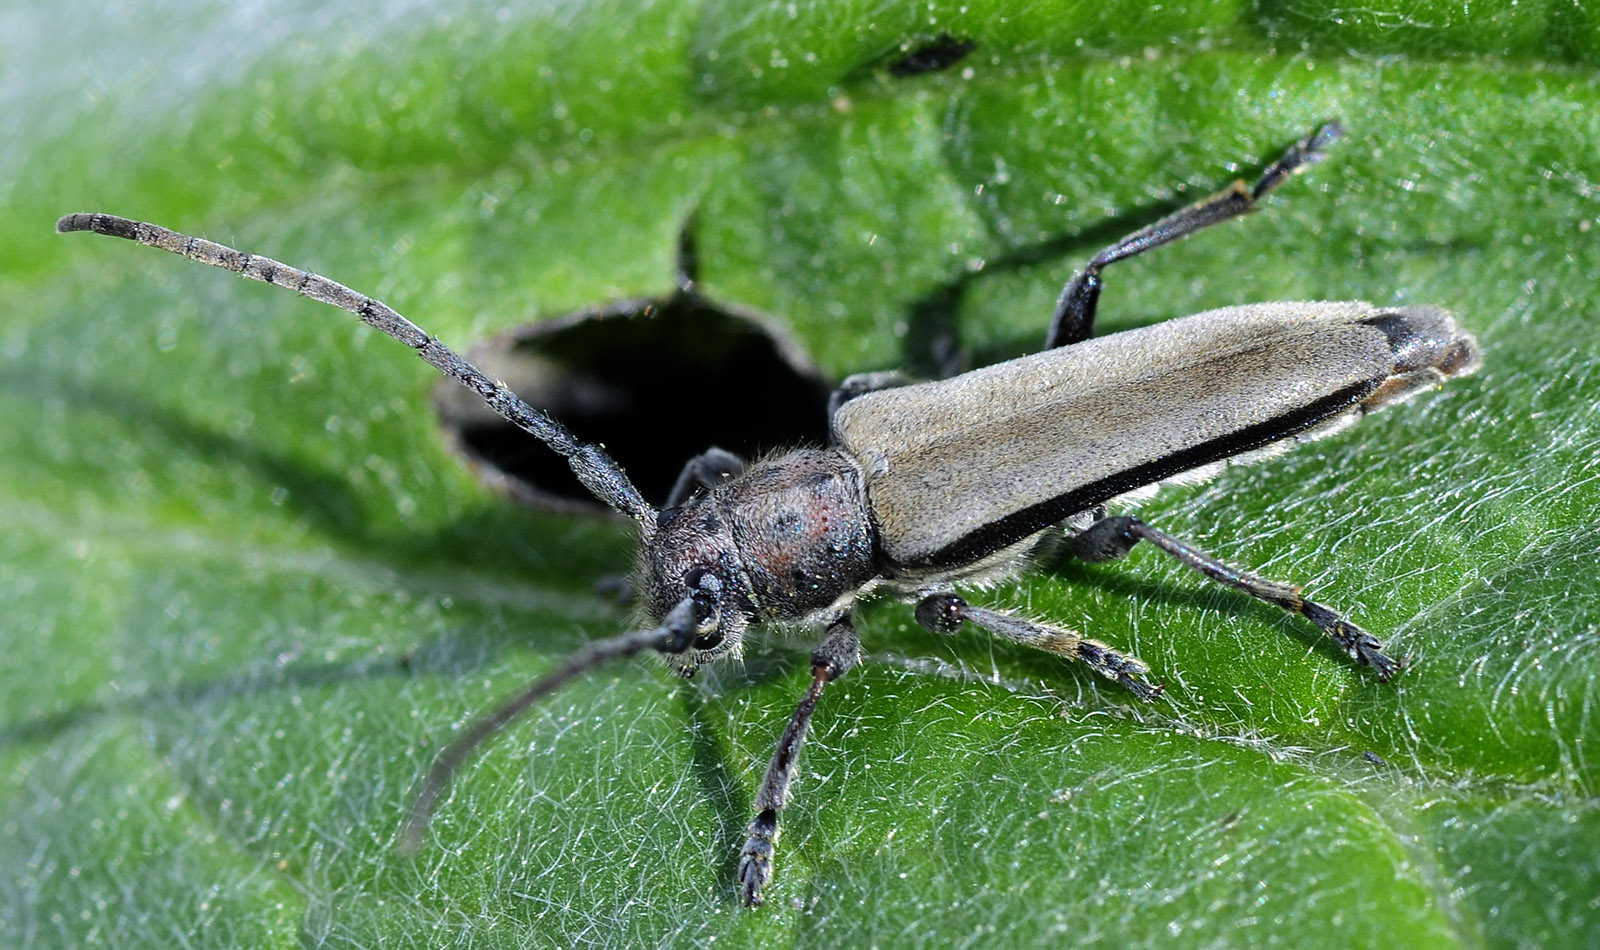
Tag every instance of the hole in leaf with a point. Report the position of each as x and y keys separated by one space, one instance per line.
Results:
x=655 y=382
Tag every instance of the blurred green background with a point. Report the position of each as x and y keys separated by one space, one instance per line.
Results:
x=247 y=590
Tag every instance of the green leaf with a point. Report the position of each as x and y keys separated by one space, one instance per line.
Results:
x=249 y=589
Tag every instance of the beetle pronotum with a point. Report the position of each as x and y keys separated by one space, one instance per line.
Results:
x=926 y=486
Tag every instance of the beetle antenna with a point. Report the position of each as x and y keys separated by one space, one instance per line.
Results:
x=674 y=635
x=598 y=472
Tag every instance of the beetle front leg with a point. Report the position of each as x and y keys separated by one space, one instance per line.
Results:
x=1074 y=316
x=944 y=612
x=706 y=470
x=833 y=657
x=1111 y=538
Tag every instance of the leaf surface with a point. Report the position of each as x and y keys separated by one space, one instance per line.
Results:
x=249 y=590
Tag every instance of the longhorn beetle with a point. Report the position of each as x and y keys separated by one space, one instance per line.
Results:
x=928 y=485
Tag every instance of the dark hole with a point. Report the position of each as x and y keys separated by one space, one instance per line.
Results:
x=939 y=53
x=655 y=383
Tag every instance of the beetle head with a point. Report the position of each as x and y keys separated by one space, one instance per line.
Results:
x=692 y=554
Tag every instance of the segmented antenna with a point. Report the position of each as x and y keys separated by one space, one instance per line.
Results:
x=673 y=636
x=598 y=472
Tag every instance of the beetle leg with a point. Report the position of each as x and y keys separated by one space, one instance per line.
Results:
x=943 y=613
x=862 y=383
x=706 y=470
x=1111 y=538
x=1074 y=316
x=833 y=657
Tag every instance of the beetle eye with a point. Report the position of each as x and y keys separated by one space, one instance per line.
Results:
x=706 y=619
x=708 y=627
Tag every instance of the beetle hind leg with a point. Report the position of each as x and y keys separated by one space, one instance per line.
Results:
x=1112 y=538
x=944 y=613
x=1073 y=321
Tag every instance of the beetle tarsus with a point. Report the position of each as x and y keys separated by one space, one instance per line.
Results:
x=755 y=858
x=943 y=612
x=1298 y=157
x=833 y=657
x=1363 y=647
x=1075 y=309
x=1114 y=537
x=1127 y=670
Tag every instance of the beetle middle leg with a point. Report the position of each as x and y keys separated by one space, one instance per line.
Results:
x=862 y=383
x=1112 y=538
x=944 y=612
x=833 y=657
x=1074 y=316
